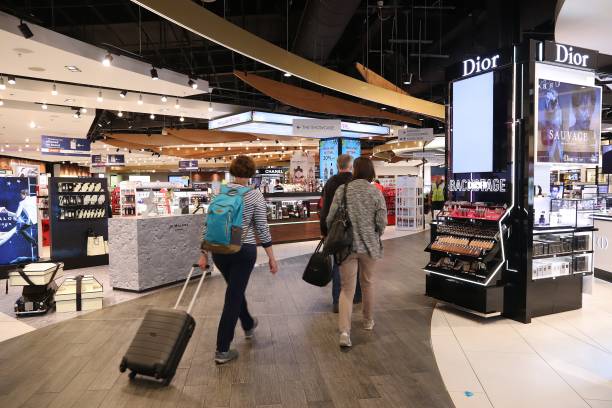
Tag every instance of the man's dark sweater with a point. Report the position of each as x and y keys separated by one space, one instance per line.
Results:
x=328 y=196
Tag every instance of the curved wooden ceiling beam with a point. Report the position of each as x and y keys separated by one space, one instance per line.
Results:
x=373 y=78
x=317 y=102
x=207 y=24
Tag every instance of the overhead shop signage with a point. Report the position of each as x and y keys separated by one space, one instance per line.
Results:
x=568 y=55
x=188 y=165
x=479 y=64
x=415 y=135
x=317 y=127
x=272 y=171
x=103 y=160
x=65 y=146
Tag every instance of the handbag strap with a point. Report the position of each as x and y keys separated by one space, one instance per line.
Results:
x=318 y=249
x=344 y=199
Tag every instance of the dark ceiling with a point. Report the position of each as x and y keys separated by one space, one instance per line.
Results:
x=419 y=38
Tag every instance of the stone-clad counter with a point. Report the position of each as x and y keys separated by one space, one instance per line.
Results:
x=148 y=252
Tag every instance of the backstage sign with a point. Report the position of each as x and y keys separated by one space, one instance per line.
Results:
x=491 y=185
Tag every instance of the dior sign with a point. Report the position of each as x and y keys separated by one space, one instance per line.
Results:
x=478 y=65
x=566 y=55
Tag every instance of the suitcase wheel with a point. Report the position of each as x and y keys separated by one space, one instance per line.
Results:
x=122 y=367
x=132 y=375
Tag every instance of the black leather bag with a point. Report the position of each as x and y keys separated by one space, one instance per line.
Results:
x=339 y=237
x=318 y=272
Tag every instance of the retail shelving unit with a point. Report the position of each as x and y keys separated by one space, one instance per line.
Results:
x=127 y=198
x=409 y=203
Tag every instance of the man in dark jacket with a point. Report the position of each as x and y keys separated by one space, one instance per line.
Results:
x=345 y=165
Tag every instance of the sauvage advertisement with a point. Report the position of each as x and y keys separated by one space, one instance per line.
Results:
x=18 y=220
x=569 y=123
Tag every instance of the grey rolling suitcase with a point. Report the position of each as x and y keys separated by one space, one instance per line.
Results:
x=161 y=339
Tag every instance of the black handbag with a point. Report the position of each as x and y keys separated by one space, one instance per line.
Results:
x=339 y=237
x=318 y=272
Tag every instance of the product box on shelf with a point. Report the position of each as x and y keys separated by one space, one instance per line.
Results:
x=40 y=274
x=79 y=293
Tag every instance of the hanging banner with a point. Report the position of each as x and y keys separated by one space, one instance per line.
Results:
x=302 y=168
x=64 y=146
x=317 y=127
x=568 y=123
x=415 y=135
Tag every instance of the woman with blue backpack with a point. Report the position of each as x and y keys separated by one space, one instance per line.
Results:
x=235 y=216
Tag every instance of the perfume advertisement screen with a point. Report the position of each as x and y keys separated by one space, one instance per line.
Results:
x=352 y=147
x=328 y=155
x=18 y=220
x=569 y=123
x=606 y=161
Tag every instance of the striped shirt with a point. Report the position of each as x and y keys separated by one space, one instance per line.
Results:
x=254 y=218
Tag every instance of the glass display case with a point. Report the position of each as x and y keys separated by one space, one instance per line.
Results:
x=576 y=213
x=561 y=253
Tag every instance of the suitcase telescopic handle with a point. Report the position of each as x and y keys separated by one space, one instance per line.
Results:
x=195 y=295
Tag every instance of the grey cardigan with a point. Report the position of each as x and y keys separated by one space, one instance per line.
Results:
x=368 y=214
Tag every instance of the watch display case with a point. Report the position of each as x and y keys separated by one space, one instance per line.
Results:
x=81 y=201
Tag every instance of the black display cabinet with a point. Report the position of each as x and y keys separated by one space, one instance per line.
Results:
x=510 y=264
x=78 y=207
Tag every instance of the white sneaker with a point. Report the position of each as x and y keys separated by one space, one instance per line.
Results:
x=368 y=324
x=345 y=340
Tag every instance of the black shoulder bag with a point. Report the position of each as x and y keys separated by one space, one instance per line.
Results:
x=339 y=238
x=318 y=272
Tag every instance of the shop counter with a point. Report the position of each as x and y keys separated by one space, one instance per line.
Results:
x=293 y=217
x=150 y=252
x=602 y=246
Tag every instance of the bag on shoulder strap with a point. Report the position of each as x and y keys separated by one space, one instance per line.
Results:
x=339 y=238
x=224 y=221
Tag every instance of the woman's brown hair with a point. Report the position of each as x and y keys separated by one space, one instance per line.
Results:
x=242 y=167
x=363 y=168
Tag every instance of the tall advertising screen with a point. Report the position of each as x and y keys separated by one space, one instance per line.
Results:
x=569 y=123
x=328 y=155
x=606 y=161
x=352 y=147
x=472 y=123
x=18 y=220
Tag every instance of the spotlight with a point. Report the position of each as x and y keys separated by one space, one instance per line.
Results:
x=83 y=110
x=11 y=80
x=25 y=30
x=287 y=74
x=154 y=75
x=99 y=98
x=182 y=119
x=44 y=106
x=2 y=84
x=32 y=124
x=54 y=90
x=152 y=116
x=120 y=114
x=76 y=115
x=107 y=60
x=99 y=125
x=405 y=126
x=140 y=99
x=210 y=107
x=164 y=99
x=130 y=151
x=176 y=104
x=117 y=150
x=123 y=94
x=192 y=84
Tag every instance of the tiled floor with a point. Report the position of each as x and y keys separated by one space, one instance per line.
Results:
x=561 y=361
x=11 y=327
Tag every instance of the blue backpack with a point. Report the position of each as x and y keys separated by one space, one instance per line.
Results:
x=223 y=234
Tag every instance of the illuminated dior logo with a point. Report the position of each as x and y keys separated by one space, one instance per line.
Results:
x=471 y=66
x=566 y=55
x=602 y=242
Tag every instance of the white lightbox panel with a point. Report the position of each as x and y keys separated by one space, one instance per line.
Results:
x=472 y=124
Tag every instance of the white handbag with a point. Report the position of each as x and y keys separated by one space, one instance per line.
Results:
x=95 y=245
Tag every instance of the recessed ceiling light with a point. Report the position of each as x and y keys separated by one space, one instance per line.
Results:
x=140 y=99
x=164 y=99
x=123 y=94
x=100 y=98
x=106 y=61
x=120 y=114
x=176 y=104
x=44 y=106
x=54 y=90
x=182 y=119
x=72 y=68
x=32 y=124
x=83 y=110
x=152 y=116
x=12 y=80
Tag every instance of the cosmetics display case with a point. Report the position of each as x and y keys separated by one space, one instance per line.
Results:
x=293 y=217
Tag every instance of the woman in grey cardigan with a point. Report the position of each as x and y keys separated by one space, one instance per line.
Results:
x=368 y=214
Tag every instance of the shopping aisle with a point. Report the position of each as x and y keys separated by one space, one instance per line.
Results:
x=294 y=360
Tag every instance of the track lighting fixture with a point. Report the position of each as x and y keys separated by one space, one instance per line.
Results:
x=176 y=104
x=120 y=114
x=44 y=106
x=164 y=98
x=140 y=99
x=25 y=30
x=210 y=107
x=117 y=150
x=11 y=80
x=54 y=90
x=154 y=75
x=76 y=115
x=108 y=58
x=99 y=98
x=152 y=116
x=123 y=94
x=2 y=84
x=192 y=84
